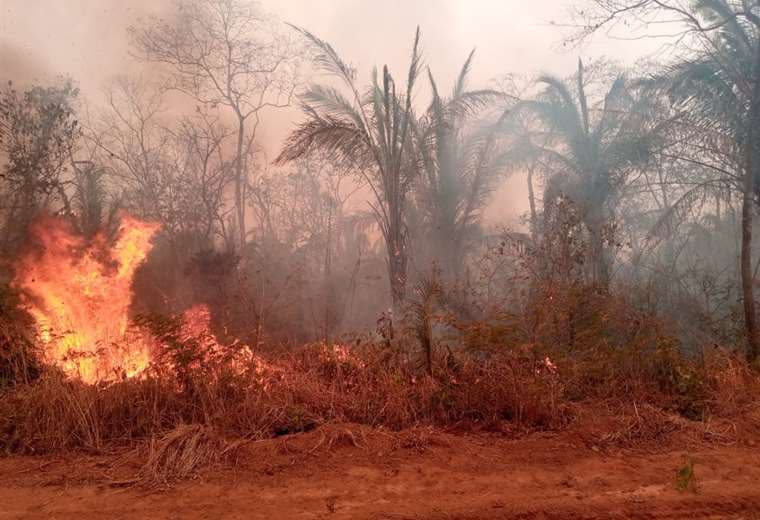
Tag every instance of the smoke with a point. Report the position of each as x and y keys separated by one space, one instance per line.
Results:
x=87 y=40
x=21 y=66
x=83 y=39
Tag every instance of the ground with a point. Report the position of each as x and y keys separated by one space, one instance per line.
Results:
x=348 y=471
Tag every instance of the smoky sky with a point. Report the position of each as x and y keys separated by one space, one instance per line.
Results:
x=87 y=40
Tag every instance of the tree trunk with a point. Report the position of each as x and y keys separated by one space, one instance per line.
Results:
x=600 y=270
x=750 y=320
x=329 y=295
x=239 y=202
x=533 y=213
x=397 y=262
x=448 y=253
x=748 y=192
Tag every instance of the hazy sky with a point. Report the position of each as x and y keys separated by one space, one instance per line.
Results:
x=86 y=39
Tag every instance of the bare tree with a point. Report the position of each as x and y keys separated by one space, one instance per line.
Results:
x=134 y=146
x=301 y=211
x=228 y=53
x=204 y=171
x=176 y=175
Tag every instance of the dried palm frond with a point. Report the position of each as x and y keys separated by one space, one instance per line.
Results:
x=182 y=451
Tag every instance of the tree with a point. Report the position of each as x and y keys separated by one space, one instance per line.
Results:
x=301 y=211
x=38 y=130
x=175 y=174
x=227 y=53
x=134 y=147
x=718 y=85
x=368 y=133
x=204 y=170
x=89 y=200
x=588 y=151
x=461 y=163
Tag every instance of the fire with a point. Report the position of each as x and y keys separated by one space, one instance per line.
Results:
x=79 y=292
x=239 y=357
x=196 y=322
x=196 y=326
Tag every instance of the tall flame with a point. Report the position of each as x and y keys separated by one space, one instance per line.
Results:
x=79 y=292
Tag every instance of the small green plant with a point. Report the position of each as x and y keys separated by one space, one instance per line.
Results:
x=686 y=479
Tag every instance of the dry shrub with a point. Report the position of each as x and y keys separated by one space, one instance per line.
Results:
x=606 y=348
x=734 y=386
x=18 y=362
x=55 y=413
x=364 y=387
x=657 y=374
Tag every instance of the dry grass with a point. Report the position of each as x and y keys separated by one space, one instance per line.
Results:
x=179 y=453
x=308 y=389
x=418 y=439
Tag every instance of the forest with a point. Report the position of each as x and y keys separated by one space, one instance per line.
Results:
x=179 y=296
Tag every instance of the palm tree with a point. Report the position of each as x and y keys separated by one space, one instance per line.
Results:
x=460 y=168
x=718 y=88
x=719 y=91
x=368 y=133
x=588 y=151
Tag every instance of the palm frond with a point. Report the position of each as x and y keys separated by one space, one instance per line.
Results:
x=719 y=11
x=470 y=102
x=582 y=98
x=557 y=89
x=341 y=141
x=461 y=81
x=611 y=110
x=329 y=101
x=680 y=210
x=326 y=58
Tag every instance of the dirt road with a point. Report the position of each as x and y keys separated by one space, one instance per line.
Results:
x=350 y=472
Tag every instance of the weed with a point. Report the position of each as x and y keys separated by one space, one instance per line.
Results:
x=686 y=479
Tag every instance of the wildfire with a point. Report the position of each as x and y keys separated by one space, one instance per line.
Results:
x=79 y=292
x=196 y=326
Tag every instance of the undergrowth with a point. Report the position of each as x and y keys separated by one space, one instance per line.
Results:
x=533 y=373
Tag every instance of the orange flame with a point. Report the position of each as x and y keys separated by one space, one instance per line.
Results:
x=239 y=357
x=79 y=293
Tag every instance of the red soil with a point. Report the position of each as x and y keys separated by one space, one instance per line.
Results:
x=354 y=472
